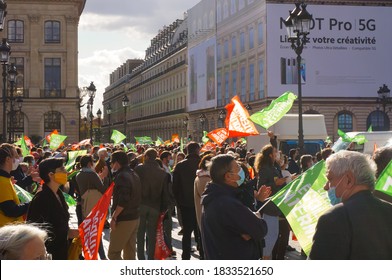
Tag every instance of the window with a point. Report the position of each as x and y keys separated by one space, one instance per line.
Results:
x=15 y=31
x=52 y=121
x=52 y=77
x=218 y=52
x=226 y=49
x=242 y=42
x=260 y=33
x=251 y=82
x=19 y=63
x=227 y=97
x=17 y=127
x=251 y=38
x=243 y=86
x=241 y=4
x=261 y=78
x=52 y=31
x=234 y=82
x=378 y=120
x=345 y=121
x=219 y=88
x=233 y=46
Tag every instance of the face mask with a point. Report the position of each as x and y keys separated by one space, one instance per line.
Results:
x=21 y=159
x=15 y=164
x=171 y=162
x=60 y=178
x=332 y=194
x=241 y=173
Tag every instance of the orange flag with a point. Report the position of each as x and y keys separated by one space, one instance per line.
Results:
x=28 y=141
x=49 y=136
x=91 y=228
x=209 y=146
x=219 y=135
x=175 y=138
x=237 y=120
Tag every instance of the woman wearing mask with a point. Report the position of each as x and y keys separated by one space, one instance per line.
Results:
x=268 y=175
x=11 y=210
x=48 y=208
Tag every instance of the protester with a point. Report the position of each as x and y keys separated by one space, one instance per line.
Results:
x=11 y=210
x=229 y=228
x=202 y=178
x=268 y=175
x=306 y=162
x=360 y=227
x=23 y=180
x=23 y=242
x=382 y=157
x=125 y=209
x=326 y=152
x=293 y=167
x=183 y=184
x=49 y=209
x=154 y=183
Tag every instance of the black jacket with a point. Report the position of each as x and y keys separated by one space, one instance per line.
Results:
x=358 y=229
x=183 y=180
x=127 y=194
x=53 y=216
x=224 y=218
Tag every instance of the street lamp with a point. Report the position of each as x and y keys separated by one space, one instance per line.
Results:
x=202 y=119
x=222 y=117
x=12 y=73
x=125 y=102
x=3 y=13
x=85 y=127
x=298 y=27
x=185 y=122
x=109 y=112
x=91 y=89
x=99 y=115
x=384 y=96
x=5 y=51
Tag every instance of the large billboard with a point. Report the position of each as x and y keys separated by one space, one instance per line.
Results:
x=348 y=53
x=201 y=75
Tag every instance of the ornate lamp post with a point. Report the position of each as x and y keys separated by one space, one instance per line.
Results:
x=5 y=51
x=222 y=117
x=298 y=27
x=3 y=13
x=109 y=112
x=98 y=130
x=384 y=96
x=12 y=73
x=85 y=127
x=202 y=119
x=125 y=102
x=91 y=89
x=185 y=122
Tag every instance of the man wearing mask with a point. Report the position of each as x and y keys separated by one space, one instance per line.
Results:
x=360 y=227
x=11 y=210
x=229 y=228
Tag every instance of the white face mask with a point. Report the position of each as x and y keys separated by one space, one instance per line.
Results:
x=171 y=162
x=15 y=164
x=21 y=159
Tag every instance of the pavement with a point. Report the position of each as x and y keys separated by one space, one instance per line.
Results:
x=176 y=241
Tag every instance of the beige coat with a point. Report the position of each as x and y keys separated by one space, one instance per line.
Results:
x=201 y=180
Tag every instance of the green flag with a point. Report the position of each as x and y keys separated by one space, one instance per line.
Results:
x=182 y=145
x=370 y=129
x=144 y=140
x=56 y=140
x=132 y=147
x=205 y=139
x=23 y=145
x=73 y=174
x=384 y=182
x=360 y=139
x=72 y=155
x=243 y=141
x=159 y=141
x=24 y=196
x=125 y=147
x=19 y=142
x=303 y=201
x=69 y=199
x=117 y=136
x=275 y=111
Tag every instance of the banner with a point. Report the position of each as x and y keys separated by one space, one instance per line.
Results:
x=117 y=136
x=162 y=251
x=56 y=140
x=91 y=228
x=237 y=120
x=144 y=140
x=209 y=146
x=218 y=135
x=275 y=111
x=360 y=139
x=384 y=181
x=303 y=201
x=72 y=155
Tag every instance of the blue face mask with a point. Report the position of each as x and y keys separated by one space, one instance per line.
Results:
x=332 y=194
x=241 y=173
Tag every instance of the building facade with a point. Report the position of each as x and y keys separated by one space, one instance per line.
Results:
x=43 y=35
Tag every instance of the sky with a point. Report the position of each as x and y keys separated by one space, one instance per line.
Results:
x=110 y=32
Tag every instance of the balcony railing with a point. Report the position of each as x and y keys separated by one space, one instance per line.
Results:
x=52 y=93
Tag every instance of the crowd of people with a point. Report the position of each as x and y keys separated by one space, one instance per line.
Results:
x=216 y=196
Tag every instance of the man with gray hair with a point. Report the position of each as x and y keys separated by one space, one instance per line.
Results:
x=361 y=226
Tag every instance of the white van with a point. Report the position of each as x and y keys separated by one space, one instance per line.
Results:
x=374 y=139
x=286 y=131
